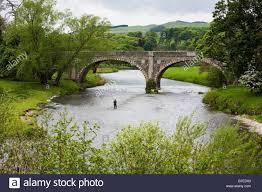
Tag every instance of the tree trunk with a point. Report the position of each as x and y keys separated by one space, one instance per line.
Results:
x=58 y=78
x=43 y=78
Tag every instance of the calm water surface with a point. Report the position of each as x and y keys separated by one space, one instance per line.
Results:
x=177 y=99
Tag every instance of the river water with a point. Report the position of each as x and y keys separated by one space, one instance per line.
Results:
x=177 y=99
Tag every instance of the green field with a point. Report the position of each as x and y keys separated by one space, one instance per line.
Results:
x=235 y=100
x=107 y=70
x=192 y=75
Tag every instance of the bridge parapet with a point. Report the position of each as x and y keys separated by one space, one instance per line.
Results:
x=142 y=53
x=174 y=54
x=119 y=54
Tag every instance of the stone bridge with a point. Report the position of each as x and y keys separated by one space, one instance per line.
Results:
x=152 y=64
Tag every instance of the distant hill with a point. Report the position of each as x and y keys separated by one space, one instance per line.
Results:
x=185 y=24
x=144 y=29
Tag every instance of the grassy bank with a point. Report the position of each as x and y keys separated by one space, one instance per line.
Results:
x=24 y=100
x=28 y=95
x=107 y=70
x=113 y=67
x=192 y=75
x=235 y=100
x=93 y=80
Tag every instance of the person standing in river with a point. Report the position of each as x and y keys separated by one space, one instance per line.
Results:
x=115 y=104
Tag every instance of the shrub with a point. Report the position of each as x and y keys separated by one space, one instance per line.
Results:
x=68 y=149
x=215 y=78
x=230 y=152
x=234 y=100
x=252 y=79
x=146 y=149
x=68 y=87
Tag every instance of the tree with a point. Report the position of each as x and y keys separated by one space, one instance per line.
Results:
x=150 y=41
x=181 y=38
x=124 y=42
x=34 y=24
x=139 y=36
x=2 y=27
x=85 y=33
x=235 y=35
x=10 y=7
x=7 y=52
x=51 y=39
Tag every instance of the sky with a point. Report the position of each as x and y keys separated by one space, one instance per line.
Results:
x=142 y=12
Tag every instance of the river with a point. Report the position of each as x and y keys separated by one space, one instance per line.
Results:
x=177 y=99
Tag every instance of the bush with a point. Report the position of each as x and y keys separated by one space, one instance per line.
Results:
x=9 y=123
x=68 y=87
x=146 y=149
x=215 y=78
x=230 y=152
x=252 y=79
x=234 y=100
x=67 y=150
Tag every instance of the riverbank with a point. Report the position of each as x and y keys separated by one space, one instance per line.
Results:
x=26 y=99
x=235 y=100
x=107 y=70
x=191 y=75
x=252 y=125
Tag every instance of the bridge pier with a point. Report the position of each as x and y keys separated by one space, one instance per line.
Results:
x=151 y=86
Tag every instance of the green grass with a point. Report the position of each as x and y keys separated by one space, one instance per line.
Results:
x=20 y=97
x=93 y=80
x=107 y=70
x=23 y=96
x=28 y=95
x=235 y=100
x=192 y=75
x=258 y=118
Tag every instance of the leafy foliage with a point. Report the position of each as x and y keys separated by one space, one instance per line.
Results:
x=52 y=40
x=252 y=79
x=235 y=35
x=146 y=149
x=181 y=38
x=234 y=100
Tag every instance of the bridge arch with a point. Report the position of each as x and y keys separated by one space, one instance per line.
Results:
x=97 y=61
x=189 y=62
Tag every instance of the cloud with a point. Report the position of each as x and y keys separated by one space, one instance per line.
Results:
x=135 y=12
